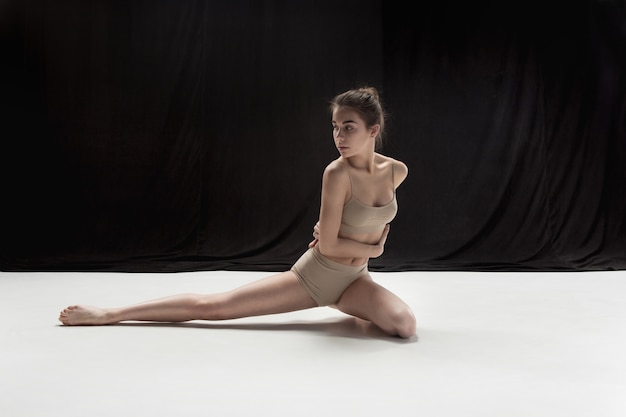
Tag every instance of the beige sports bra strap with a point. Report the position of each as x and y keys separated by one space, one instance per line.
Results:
x=351 y=186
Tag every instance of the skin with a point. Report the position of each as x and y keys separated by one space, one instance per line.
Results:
x=281 y=293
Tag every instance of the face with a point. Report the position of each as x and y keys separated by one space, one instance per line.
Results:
x=351 y=134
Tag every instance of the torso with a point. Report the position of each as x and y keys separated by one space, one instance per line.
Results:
x=378 y=195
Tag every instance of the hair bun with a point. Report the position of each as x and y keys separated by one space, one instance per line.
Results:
x=371 y=91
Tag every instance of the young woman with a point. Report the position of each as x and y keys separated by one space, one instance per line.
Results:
x=358 y=201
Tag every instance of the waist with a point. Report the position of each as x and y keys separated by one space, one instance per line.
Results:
x=356 y=263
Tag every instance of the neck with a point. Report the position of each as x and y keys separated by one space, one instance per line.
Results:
x=362 y=162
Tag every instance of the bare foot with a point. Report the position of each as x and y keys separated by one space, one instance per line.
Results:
x=84 y=316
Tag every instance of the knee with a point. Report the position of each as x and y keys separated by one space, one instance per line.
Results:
x=405 y=323
x=207 y=307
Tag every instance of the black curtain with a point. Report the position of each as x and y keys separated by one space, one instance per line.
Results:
x=192 y=135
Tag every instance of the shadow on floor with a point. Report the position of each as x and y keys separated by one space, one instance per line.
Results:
x=349 y=327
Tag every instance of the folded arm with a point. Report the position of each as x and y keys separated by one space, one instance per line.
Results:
x=334 y=189
x=380 y=244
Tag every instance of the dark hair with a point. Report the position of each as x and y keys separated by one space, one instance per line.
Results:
x=365 y=101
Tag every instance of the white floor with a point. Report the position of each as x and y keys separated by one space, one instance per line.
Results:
x=489 y=344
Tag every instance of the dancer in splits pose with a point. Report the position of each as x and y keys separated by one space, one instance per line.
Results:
x=357 y=203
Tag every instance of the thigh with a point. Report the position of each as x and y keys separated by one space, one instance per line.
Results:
x=279 y=293
x=370 y=301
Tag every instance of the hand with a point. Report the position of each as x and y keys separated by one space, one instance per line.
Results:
x=381 y=242
x=316 y=235
x=383 y=237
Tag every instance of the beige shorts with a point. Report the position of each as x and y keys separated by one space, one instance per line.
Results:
x=324 y=279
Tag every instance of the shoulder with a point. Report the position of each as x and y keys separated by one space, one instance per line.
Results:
x=400 y=169
x=335 y=182
x=335 y=170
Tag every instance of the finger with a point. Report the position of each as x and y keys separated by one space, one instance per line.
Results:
x=383 y=237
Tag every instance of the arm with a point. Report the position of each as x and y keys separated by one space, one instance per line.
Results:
x=334 y=187
x=401 y=172
x=316 y=236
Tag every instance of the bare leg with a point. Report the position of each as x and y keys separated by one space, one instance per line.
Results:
x=278 y=293
x=369 y=301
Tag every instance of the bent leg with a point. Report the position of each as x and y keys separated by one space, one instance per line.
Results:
x=368 y=300
x=278 y=293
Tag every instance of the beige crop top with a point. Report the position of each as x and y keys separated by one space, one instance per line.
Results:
x=361 y=218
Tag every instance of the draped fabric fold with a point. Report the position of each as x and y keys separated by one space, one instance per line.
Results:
x=192 y=135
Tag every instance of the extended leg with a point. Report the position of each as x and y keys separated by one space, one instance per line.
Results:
x=278 y=293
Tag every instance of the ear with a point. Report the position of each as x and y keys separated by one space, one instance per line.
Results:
x=375 y=129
